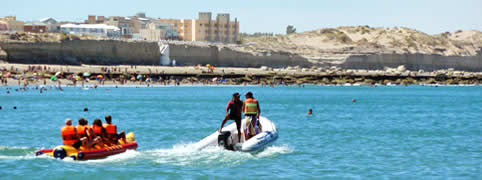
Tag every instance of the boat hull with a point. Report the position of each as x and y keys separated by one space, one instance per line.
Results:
x=256 y=143
x=68 y=151
x=64 y=151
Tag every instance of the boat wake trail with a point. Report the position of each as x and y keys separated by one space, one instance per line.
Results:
x=16 y=153
x=179 y=155
x=187 y=155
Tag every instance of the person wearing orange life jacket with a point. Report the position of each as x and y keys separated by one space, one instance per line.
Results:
x=69 y=134
x=82 y=128
x=111 y=130
x=251 y=109
x=100 y=133
x=82 y=131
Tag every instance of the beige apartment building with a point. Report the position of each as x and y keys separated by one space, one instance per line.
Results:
x=222 y=29
x=13 y=24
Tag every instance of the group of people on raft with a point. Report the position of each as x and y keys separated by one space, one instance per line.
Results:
x=250 y=108
x=96 y=136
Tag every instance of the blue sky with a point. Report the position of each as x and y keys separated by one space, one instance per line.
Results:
x=430 y=16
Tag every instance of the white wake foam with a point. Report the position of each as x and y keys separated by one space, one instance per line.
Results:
x=187 y=155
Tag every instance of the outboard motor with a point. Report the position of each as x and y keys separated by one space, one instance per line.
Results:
x=223 y=138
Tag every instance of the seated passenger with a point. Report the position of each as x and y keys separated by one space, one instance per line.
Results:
x=82 y=129
x=99 y=133
x=111 y=130
x=69 y=134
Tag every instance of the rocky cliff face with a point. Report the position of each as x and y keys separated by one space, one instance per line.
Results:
x=221 y=55
x=345 y=47
x=76 y=52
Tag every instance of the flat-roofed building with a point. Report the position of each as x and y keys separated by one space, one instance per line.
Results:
x=35 y=27
x=3 y=26
x=99 y=30
x=205 y=29
x=93 y=19
x=158 y=31
x=13 y=24
x=122 y=23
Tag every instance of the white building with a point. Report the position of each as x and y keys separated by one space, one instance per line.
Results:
x=99 y=30
x=51 y=23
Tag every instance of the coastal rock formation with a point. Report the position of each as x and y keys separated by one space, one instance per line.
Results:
x=76 y=52
x=354 y=47
x=229 y=56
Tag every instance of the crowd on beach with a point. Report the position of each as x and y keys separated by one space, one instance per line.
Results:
x=132 y=75
x=55 y=77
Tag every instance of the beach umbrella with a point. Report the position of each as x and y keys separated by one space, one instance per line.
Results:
x=57 y=73
x=139 y=76
x=86 y=74
x=53 y=78
x=100 y=76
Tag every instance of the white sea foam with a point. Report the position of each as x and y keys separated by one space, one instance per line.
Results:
x=186 y=155
x=13 y=148
x=275 y=150
x=23 y=157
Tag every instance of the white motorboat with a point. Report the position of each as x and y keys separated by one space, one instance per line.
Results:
x=228 y=137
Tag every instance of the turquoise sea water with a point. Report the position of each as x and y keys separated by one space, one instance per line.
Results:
x=389 y=132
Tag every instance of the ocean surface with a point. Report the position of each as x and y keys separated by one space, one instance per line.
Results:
x=414 y=132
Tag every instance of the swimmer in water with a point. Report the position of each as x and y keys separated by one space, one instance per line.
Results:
x=310 y=112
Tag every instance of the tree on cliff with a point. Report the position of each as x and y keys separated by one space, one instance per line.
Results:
x=290 y=29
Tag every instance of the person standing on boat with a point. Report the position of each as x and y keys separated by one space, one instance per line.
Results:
x=233 y=112
x=251 y=109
